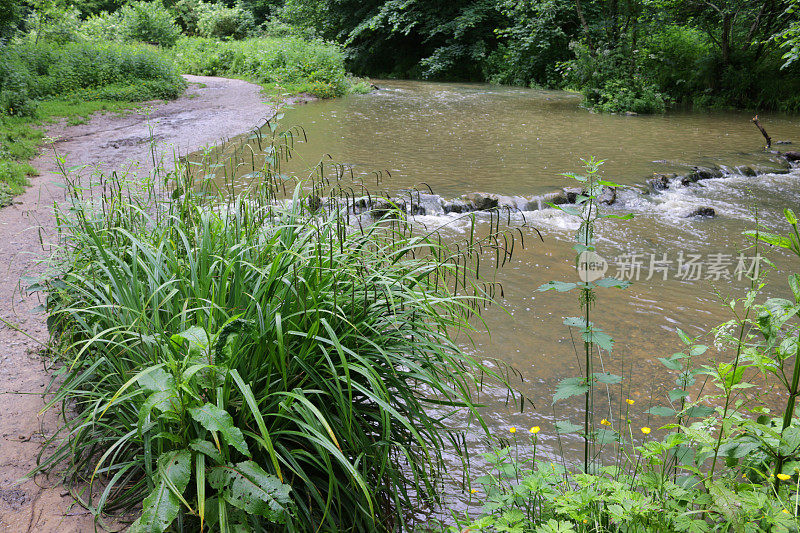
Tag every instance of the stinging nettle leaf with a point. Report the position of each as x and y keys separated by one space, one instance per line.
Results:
x=559 y=286
x=570 y=387
x=661 y=411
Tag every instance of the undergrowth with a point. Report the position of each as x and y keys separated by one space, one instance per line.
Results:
x=232 y=363
x=717 y=458
x=280 y=64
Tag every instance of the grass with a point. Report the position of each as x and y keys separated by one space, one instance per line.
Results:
x=41 y=82
x=279 y=64
x=231 y=362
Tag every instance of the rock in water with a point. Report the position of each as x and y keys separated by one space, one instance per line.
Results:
x=702 y=212
x=481 y=200
x=660 y=182
x=792 y=156
x=314 y=203
x=572 y=194
x=609 y=195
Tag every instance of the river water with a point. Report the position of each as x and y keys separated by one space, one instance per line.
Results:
x=463 y=138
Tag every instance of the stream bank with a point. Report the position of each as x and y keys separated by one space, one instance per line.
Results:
x=210 y=109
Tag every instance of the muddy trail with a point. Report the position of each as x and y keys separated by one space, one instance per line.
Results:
x=211 y=109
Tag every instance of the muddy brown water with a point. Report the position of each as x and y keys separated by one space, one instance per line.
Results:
x=462 y=138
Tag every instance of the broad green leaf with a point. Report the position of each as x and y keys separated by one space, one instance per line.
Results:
x=684 y=337
x=672 y=364
x=676 y=394
x=248 y=487
x=570 y=387
x=606 y=378
x=790 y=441
x=791 y=218
x=156 y=380
x=565 y=426
x=603 y=340
x=794 y=283
x=165 y=401
x=559 y=286
x=699 y=411
x=161 y=507
x=770 y=238
x=606 y=436
x=568 y=209
x=207 y=448
x=612 y=282
x=575 y=322
x=195 y=339
x=661 y=411
x=698 y=349
x=213 y=418
x=725 y=500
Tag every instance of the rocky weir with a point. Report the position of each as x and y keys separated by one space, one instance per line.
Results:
x=419 y=203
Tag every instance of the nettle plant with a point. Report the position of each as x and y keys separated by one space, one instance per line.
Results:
x=719 y=460
x=587 y=209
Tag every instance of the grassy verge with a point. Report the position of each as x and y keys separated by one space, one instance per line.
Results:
x=41 y=82
x=280 y=64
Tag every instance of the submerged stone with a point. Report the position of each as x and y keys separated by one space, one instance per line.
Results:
x=702 y=212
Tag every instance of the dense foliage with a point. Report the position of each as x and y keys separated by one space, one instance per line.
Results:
x=624 y=56
x=80 y=57
x=294 y=64
x=238 y=364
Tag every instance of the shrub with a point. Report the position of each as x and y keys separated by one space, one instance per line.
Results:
x=222 y=22
x=112 y=71
x=148 y=22
x=103 y=27
x=295 y=64
x=53 y=25
x=250 y=346
x=610 y=81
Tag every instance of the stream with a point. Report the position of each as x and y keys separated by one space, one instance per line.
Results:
x=512 y=144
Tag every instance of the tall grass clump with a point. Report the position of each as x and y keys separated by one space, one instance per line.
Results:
x=296 y=65
x=235 y=363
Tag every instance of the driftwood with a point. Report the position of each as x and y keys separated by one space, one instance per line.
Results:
x=763 y=131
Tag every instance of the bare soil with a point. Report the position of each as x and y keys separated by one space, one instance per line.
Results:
x=210 y=110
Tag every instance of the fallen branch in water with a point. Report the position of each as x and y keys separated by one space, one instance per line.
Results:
x=763 y=131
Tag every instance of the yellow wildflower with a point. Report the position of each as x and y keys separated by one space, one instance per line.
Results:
x=784 y=477
x=512 y=429
x=473 y=491
x=534 y=430
x=605 y=422
x=646 y=430
x=630 y=402
x=785 y=511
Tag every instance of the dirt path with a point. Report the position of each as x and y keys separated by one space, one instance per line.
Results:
x=211 y=109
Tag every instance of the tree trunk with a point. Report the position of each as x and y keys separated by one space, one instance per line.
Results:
x=725 y=41
x=585 y=26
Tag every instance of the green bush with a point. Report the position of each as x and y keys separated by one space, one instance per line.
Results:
x=148 y=22
x=611 y=82
x=295 y=64
x=55 y=25
x=113 y=71
x=218 y=21
x=103 y=27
